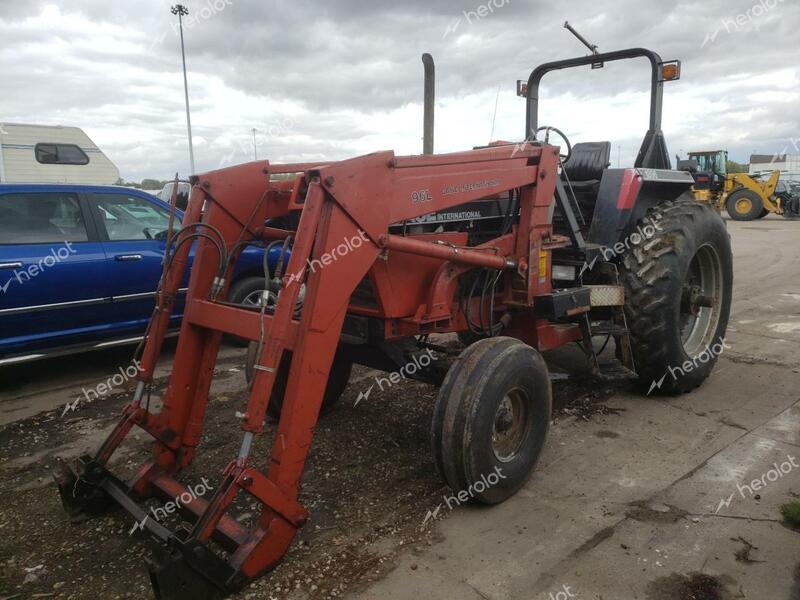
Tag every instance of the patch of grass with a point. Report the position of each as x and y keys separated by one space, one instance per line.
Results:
x=791 y=514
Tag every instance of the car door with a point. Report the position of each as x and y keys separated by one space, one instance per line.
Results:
x=53 y=272
x=133 y=227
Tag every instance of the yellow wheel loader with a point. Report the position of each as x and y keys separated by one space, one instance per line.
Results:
x=745 y=197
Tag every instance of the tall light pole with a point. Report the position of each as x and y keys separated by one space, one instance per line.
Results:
x=181 y=10
x=255 y=148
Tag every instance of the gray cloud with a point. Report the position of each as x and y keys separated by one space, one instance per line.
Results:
x=346 y=73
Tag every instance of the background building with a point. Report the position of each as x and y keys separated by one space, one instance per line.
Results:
x=787 y=164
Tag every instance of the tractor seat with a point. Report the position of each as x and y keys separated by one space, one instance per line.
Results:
x=586 y=164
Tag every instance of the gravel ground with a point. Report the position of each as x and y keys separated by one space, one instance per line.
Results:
x=369 y=484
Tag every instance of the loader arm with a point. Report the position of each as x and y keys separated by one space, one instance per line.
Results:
x=342 y=238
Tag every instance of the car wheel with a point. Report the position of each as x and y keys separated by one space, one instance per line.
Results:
x=248 y=292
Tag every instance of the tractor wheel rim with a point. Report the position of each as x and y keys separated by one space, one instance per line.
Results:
x=510 y=425
x=744 y=206
x=700 y=308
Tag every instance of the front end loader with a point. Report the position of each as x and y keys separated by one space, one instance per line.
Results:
x=519 y=247
x=745 y=197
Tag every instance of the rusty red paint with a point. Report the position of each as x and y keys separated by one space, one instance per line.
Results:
x=347 y=204
x=629 y=189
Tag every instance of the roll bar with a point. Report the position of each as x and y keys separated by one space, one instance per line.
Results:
x=653 y=153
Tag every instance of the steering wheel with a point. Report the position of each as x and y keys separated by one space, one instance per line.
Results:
x=159 y=235
x=547 y=129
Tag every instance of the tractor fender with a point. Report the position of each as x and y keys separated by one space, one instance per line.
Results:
x=625 y=196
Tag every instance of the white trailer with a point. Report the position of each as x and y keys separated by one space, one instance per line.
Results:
x=52 y=154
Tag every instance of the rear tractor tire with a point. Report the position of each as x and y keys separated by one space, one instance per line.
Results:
x=678 y=296
x=338 y=377
x=491 y=419
x=744 y=205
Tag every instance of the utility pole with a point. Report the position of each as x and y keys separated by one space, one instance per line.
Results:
x=181 y=11
x=255 y=148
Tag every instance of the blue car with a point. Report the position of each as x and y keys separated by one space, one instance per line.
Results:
x=79 y=266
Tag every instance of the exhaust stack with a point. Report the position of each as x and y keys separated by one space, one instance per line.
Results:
x=430 y=93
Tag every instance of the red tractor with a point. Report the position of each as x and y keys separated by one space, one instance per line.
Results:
x=519 y=248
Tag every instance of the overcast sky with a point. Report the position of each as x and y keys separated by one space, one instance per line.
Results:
x=336 y=78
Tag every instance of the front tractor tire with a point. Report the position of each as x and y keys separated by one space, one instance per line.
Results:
x=678 y=287
x=491 y=419
x=745 y=205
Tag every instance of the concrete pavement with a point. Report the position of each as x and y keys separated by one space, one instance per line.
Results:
x=654 y=503
x=657 y=502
